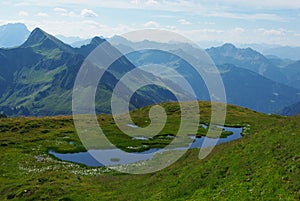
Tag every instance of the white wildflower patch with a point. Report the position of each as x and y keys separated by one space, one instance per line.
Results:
x=44 y=163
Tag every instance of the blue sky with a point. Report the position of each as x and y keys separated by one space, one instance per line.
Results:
x=236 y=21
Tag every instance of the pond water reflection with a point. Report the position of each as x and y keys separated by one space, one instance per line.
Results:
x=118 y=157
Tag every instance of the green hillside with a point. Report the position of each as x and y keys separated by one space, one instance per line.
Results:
x=263 y=165
x=40 y=81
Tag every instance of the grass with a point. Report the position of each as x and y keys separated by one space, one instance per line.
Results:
x=263 y=165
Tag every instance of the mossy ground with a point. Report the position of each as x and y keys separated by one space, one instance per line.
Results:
x=263 y=165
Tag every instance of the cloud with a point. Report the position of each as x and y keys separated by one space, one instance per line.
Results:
x=64 y=12
x=297 y=34
x=152 y=3
x=184 y=22
x=244 y=18
x=23 y=14
x=239 y=30
x=151 y=24
x=259 y=4
x=60 y=10
x=86 y=28
x=171 y=5
x=167 y=5
x=72 y=14
x=164 y=16
x=88 y=13
x=42 y=14
x=241 y=35
x=208 y=23
x=272 y=32
x=254 y=16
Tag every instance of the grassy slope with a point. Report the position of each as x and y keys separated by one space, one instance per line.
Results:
x=264 y=164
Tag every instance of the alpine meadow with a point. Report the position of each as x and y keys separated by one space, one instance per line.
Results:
x=149 y=100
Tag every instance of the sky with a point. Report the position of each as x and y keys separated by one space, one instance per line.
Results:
x=202 y=21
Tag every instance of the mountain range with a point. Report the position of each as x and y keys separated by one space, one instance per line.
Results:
x=37 y=77
x=284 y=52
x=243 y=87
x=284 y=71
x=247 y=59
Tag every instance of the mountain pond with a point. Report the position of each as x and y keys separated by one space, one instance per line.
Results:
x=118 y=157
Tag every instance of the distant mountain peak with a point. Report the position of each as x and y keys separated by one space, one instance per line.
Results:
x=43 y=40
x=116 y=39
x=228 y=46
x=18 y=24
x=38 y=31
x=13 y=35
x=97 y=40
x=36 y=36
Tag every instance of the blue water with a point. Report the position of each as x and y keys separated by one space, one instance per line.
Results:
x=117 y=157
x=81 y=157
